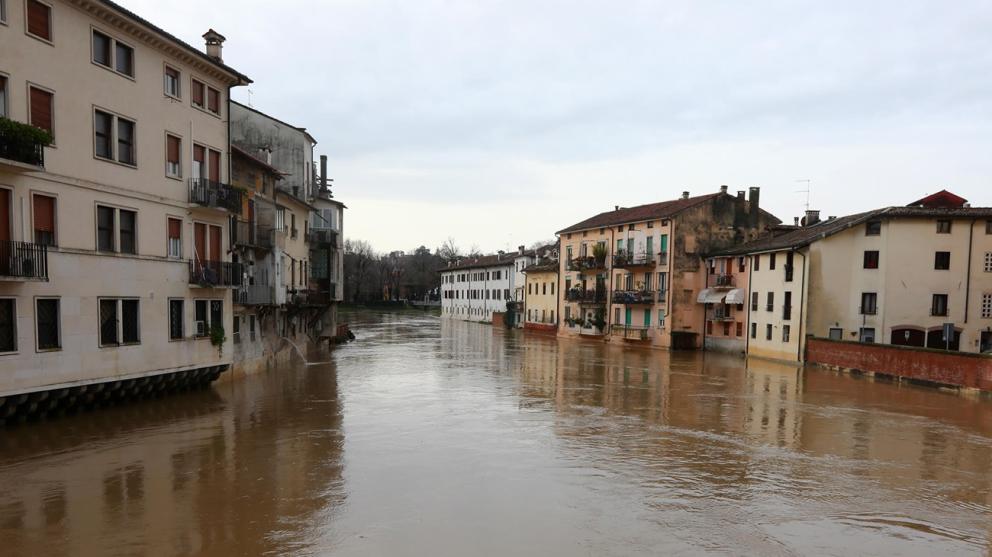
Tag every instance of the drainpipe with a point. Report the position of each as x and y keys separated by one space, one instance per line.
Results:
x=609 y=278
x=747 y=302
x=967 y=283
x=802 y=298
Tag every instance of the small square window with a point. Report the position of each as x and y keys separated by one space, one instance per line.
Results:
x=943 y=226
x=873 y=228
x=942 y=260
x=871 y=259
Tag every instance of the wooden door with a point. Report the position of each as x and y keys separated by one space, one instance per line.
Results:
x=200 y=241
x=215 y=243
x=4 y=215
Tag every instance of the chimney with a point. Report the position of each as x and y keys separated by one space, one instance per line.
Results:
x=323 y=176
x=685 y=195
x=796 y=221
x=215 y=44
x=723 y=189
x=520 y=249
x=753 y=206
x=812 y=217
x=616 y=207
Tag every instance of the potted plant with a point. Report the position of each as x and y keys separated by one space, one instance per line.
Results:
x=218 y=338
x=599 y=254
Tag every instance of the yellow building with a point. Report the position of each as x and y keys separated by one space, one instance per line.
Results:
x=633 y=275
x=541 y=297
x=895 y=275
x=114 y=239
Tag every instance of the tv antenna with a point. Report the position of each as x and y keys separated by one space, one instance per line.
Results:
x=808 y=191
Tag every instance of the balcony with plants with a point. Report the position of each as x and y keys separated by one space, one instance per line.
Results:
x=625 y=260
x=215 y=195
x=638 y=295
x=22 y=146
x=721 y=281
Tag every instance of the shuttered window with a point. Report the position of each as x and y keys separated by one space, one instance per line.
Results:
x=175 y=236
x=173 y=148
x=44 y=219
x=41 y=109
x=199 y=162
x=197 y=93
x=39 y=19
x=213 y=100
x=214 y=165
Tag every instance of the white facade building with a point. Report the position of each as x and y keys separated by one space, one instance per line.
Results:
x=473 y=289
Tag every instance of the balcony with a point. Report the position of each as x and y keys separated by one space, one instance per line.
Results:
x=721 y=314
x=629 y=260
x=629 y=332
x=214 y=274
x=216 y=195
x=22 y=146
x=588 y=263
x=248 y=235
x=630 y=297
x=309 y=297
x=255 y=295
x=23 y=261
x=663 y=259
x=321 y=236
x=596 y=296
x=721 y=281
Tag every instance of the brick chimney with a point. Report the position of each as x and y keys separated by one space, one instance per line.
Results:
x=685 y=195
x=754 y=195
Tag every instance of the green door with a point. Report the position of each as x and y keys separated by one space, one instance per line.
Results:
x=664 y=243
x=650 y=246
x=647 y=318
x=627 y=317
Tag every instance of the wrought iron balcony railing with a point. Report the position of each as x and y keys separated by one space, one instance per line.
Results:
x=252 y=235
x=633 y=297
x=588 y=263
x=321 y=236
x=214 y=273
x=629 y=332
x=23 y=260
x=720 y=314
x=216 y=195
x=722 y=281
x=624 y=260
x=22 y=143
x=593 y=296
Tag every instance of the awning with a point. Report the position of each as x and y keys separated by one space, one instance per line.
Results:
x=711 y=296
x=736 y=296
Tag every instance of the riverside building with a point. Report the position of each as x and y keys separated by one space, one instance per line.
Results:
x=115 y=265
x=634 y=274
x=918 y=275
x=474 y=288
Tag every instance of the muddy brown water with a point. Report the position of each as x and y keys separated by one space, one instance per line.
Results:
x=428 y=437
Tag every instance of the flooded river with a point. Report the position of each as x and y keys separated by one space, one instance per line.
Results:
x=446 y=438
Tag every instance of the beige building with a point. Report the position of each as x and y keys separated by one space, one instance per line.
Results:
x=541 y=296
x=896 y=275
x=634 y=274
x=114 y=238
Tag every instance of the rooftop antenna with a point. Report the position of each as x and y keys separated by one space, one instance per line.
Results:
x=808 y=191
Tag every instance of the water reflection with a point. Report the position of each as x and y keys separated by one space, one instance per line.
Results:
x=239 y=469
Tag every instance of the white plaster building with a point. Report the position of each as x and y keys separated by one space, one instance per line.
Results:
x=472 y=289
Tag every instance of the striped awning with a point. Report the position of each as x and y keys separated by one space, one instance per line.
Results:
x=711 y=296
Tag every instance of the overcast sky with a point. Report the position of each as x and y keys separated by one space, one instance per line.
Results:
x=499 y=122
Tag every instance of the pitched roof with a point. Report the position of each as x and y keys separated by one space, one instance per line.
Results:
x=545 y=267
x=169 y=36
x=623 y=215
x=481 y=261
x=943 y=198
x=806 y=235
x=256 y=161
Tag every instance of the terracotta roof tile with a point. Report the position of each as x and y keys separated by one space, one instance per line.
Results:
x=662 y=210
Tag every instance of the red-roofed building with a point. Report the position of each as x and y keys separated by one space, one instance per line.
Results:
x=633 y=274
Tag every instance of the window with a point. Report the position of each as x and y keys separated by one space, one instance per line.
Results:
x=754 y=330
x=236 y=329
x=836 y=333
x=197 y=94
x=787 y=307
x=988 y=262
x=47 y=319
x=213 y=100
x=754 y=301
x=867 y=335
x=3 y=11
x=251 y=327
x=173 y=156
x=988 y=227
x=173 y=79
x=771 y=262
x=44 y=219
x=112 y=54
x=986 y=306
x=943 y=226
x=871 y=260
x=939 y=304
x=869 y=303
x=115 y=229
x=176 y=319
x=105 y=140
x=873 y=228
x=768 y=331
x=208 y=314
x=42 y=108
x=786 y=331
x=119 y=320
x=770 y=304
x=3 y=93
x=757 y=262
x=942 y=260
x=8 y=325
x=174 y=233
x=39 y=20
x=740 y=329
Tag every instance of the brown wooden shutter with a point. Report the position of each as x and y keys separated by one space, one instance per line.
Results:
x=214 y=165
x=175 y=229
x=172 y=148
x=197 y=93
x=41 y=109
x=39 y=20
x=198 y=153
x=44 y=213
x=213 y=100
x=215 y=243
